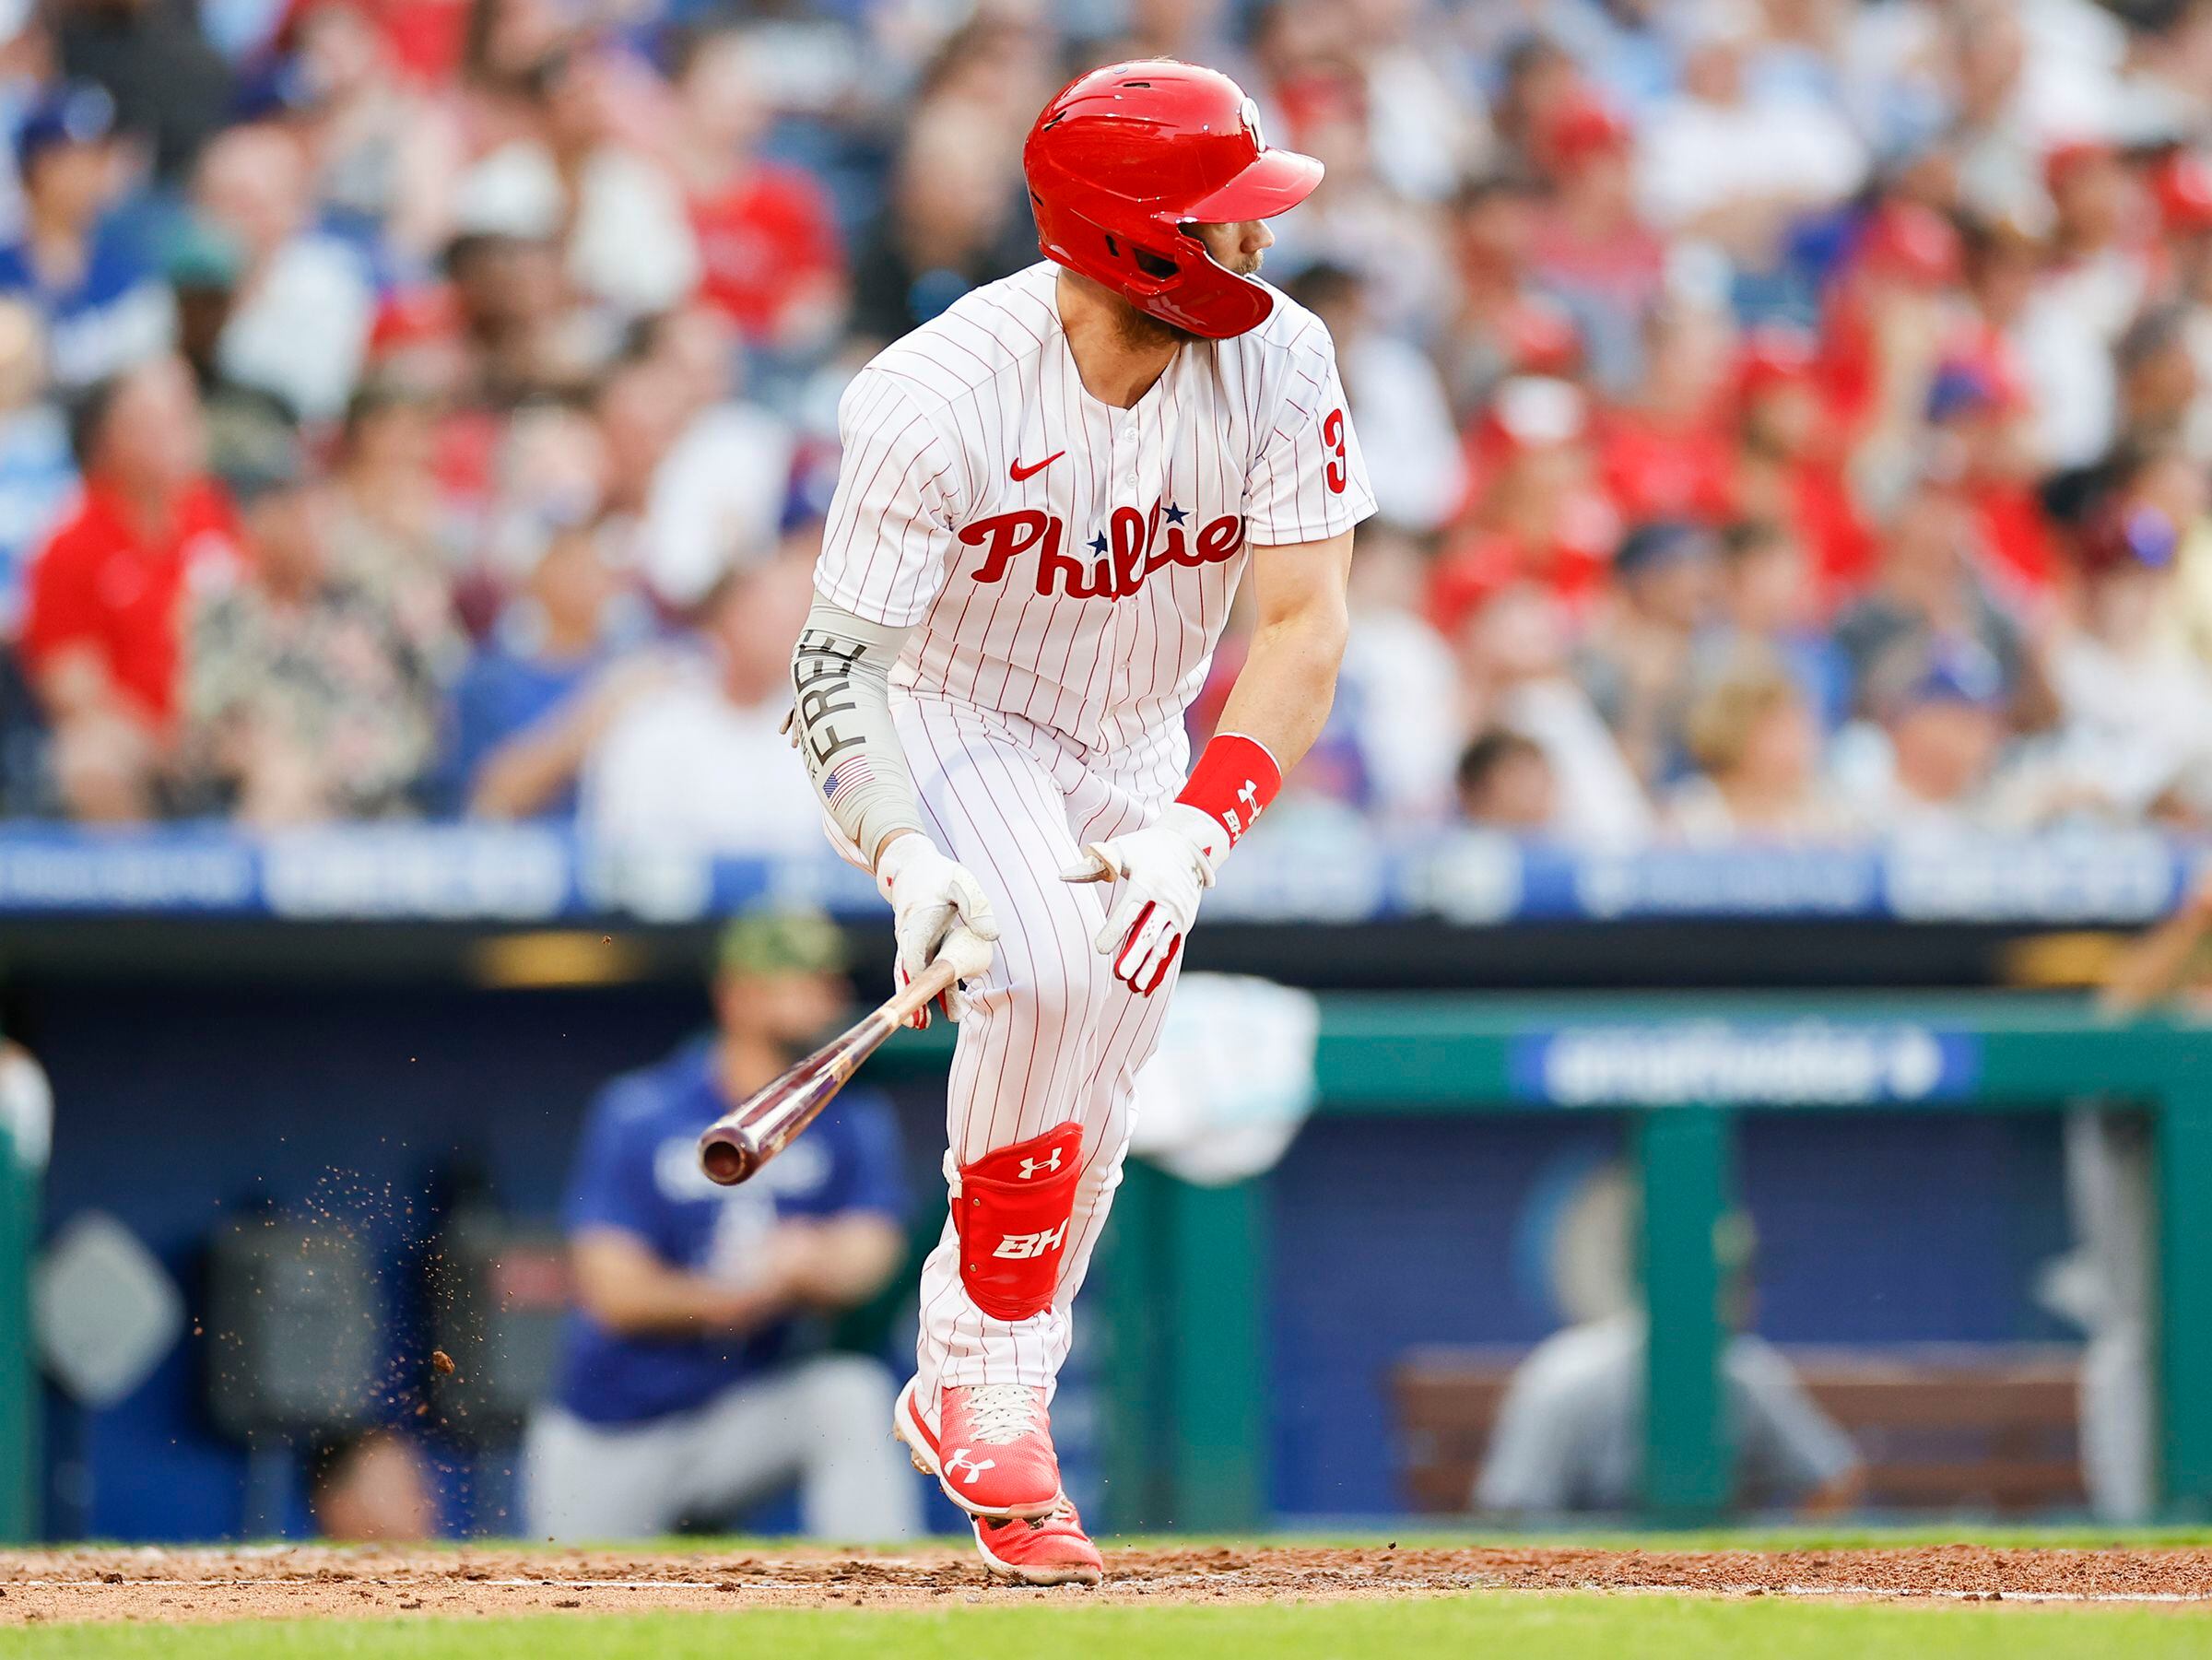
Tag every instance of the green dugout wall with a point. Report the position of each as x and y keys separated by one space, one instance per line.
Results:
x=1188 y=1290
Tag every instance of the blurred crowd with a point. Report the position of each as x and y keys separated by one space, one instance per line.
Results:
x=1791 y=418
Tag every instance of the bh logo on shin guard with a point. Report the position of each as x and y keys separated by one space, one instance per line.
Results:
x=961 y=1461
x=1020 y=1246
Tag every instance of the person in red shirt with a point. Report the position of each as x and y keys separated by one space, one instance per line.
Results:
x=1532 y=511
x=1592 y=252
x=767 y=247
x=100 y=629
x=1664 y=453
x=1789 y=467
x=1977 y=420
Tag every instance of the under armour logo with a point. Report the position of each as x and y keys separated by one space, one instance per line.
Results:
x=1029 y=1167
x=961 y=1461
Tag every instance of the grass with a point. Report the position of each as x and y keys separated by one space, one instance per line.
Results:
x=1522 y=1625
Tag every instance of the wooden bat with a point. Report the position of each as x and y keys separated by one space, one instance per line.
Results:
x=737 y=1144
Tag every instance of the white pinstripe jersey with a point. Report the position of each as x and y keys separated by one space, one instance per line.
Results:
x=1060 y=559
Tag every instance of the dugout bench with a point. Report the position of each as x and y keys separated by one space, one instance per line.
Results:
x=1189 y=1266
x=1943 y=1427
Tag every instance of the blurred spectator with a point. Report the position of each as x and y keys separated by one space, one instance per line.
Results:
x=2134 y=703
x=2158 y=379
x=302 y=302
x=581 y=177
x=1395 y=398
x=380 y=149
x=204 y=265
x=1514 y=673
x=1569 y=1432
x=1766 y=606
x=952 y=219
x=512 y=320
x=1663 y=453
x=695 y=1379
x=1501 y=324
x=1927 y=762
x=1977 y=429
x=38 y=473
x=372 y=1488
x=1788 y=468
x=1397 y=678
x=1928 y=590
x=682 y=764
x=1425 y=124
x=1757 y=746
x=1731 y=159
x=1505 y=783
x=716 y=496
x=1533 y=510
x=767 y=244
x=1636 y=663
x=100 y=629
x=171 y=88
x=536 y=698
x=2090 y=287
x=102 y=308
x=1593 y=250
x=303 y=700
x=387 y=530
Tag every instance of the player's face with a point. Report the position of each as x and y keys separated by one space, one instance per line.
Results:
x=1240 y=247
x=787 y=1009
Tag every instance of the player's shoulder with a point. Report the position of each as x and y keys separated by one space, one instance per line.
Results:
x=990 y=332
x=1289 y=330
x=647 y=1094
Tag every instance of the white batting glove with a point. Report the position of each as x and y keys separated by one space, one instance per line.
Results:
x=938 y=910
x=1162 y=870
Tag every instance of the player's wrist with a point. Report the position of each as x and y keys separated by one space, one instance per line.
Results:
x=1231 y=785
x=898 y=853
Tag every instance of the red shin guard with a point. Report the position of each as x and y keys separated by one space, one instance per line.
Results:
x=1011 y=1215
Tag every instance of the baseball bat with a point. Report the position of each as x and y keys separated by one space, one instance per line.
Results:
x=738 y=1143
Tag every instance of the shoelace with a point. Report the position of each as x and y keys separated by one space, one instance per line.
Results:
x=999 y=1414
x=1066 y=1513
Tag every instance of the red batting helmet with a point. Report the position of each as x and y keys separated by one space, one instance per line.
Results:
x=1127 y=156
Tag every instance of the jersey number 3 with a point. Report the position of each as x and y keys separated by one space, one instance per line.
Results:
x=1332 y=440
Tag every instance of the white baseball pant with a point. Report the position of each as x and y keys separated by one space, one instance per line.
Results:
x=817 y=1425
x=1049 y=1035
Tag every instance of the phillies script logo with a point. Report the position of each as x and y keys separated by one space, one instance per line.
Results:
x=1131 y=549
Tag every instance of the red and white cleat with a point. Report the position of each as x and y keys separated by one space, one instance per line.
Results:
x=992 y=1450
x=1049 y=1550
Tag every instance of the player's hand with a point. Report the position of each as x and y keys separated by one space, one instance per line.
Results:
x=1162 y=870
x=938 y=910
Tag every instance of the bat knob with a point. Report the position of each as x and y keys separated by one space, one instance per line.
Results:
x=724 y=1158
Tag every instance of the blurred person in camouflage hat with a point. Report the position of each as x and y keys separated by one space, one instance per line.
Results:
x=697 y=1377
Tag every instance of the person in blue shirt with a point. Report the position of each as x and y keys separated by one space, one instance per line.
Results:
x=693 y=1380
x=103 y=307
x=537 y=696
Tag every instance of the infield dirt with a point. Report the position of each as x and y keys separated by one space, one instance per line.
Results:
x=156 y=1585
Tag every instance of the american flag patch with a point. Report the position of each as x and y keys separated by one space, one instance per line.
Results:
x=846 y=775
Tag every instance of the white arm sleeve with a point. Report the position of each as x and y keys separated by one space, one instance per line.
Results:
x=841 y=681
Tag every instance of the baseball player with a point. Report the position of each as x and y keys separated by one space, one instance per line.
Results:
x=1049 y=497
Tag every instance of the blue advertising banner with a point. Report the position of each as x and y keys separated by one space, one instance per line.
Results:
x=1808 y=1062
x=1309 y=871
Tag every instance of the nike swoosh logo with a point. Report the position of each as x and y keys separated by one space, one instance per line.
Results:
x=1018 y=473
